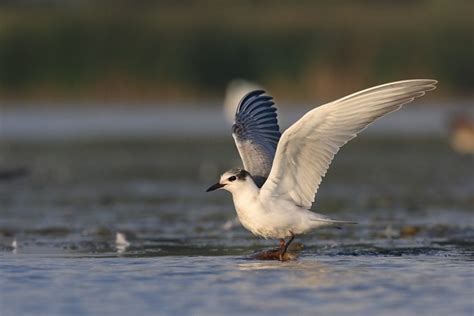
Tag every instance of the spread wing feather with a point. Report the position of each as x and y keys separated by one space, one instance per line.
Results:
x=307 y=148
x=256 y=133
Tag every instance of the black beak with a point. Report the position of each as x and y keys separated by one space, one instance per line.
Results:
x=215 y=187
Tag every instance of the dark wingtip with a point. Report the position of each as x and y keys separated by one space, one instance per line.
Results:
x=251 y=94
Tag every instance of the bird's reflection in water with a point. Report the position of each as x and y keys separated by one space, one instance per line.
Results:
x=298 y=273
x=289 y=265
x=304 y=273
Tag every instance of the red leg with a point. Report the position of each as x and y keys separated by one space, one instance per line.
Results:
x=279 y=253
x=285 y=248
x=282 y=243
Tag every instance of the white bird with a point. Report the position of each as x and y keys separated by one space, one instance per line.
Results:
x=275 y=190
x=14 y=246
x=121 y=242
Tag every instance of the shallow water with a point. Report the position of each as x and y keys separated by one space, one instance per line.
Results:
x=341 y=284
x=411 y=253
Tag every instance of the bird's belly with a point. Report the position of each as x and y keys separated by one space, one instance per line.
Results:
x=269 y=223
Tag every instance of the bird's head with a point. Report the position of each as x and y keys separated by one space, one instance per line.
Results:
x=232 y=180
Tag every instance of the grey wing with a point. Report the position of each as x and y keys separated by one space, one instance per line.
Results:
x=256 y=134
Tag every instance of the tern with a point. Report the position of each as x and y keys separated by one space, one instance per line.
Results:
x=281 y=173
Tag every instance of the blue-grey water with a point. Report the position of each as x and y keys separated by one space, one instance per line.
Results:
x=411 y=253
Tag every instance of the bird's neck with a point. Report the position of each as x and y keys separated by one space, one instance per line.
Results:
x=246 y=193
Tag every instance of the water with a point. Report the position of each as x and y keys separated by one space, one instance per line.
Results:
x=422 y=284
x=411 y=253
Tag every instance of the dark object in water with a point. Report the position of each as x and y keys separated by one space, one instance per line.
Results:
x=275 y=254
x=13 y=173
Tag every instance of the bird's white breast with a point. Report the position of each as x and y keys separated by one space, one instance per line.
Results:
x=250 y=211
x=271 y=218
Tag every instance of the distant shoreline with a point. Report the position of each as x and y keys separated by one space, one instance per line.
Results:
x=69 y=123
x=183 y=51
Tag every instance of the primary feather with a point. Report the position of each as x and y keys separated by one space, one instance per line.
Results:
x=256 y=134
x=307 y=148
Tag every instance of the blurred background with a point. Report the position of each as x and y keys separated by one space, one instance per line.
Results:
x=100 y=68
x=149 y=51
x=115 y=116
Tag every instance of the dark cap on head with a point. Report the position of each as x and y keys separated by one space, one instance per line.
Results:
x=241 y=174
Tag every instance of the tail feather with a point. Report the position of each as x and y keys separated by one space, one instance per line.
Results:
x=333 y=223
x=323 y=220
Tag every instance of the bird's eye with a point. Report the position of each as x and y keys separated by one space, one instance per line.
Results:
x=233 y=178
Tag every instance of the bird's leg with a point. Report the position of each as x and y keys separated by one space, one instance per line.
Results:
x=282 y=243
x=279 y=253
x=289 y=241
x=285 y=246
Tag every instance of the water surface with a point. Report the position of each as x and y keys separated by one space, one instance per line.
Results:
x=411 y=253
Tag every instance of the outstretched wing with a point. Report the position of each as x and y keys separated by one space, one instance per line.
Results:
x=256 y=134
x=307 y=148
